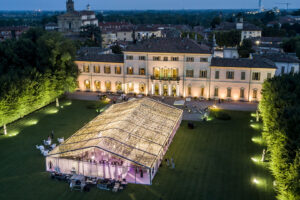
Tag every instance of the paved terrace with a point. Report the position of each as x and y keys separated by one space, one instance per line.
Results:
x=193 y=110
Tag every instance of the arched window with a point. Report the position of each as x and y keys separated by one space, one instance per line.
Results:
x=86 y=68
x=118 y=86
x=108 y=85
x=156 y=89
x=242 y=93
x=87 y=84
x=254 y=95
x=202 y=92
x=189 y=90
x=97 y=85
x=228 y=92
x=142 y=87
x=174 y=90
x=216 y=92
x=130 y=87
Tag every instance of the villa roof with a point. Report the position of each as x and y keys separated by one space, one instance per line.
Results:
x=169 y=45
x=136 y=130
x=93 y=57
x=280 y=57
x=227 y=26
x=242 y=62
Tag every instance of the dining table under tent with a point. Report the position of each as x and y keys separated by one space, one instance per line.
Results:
x=127 y=141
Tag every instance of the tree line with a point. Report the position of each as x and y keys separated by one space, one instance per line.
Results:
x=280 y=109
x=34 y=70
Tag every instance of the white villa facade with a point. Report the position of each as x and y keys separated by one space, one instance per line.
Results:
x=174 y=67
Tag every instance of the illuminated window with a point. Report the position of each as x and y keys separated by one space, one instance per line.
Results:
x=107 y=69
x=242 y=93
x=118 y=86
x=254 y=95
x=130 y=87
x=142 y=87
x=86 y=68
x=108 y=85
x=174 y=90
x=174 y=73
x=96 y=69
x=118 y=70
x=87 y=84
x=202 y=91
x=130 y=70
x=189 y=90
x=203 y=74
x=156 y=72
x=216 y=92
x=97 y=85
x=229 y=92
x=156 y=89
x=142 y=71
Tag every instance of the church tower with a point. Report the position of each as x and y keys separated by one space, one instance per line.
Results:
x=70 y=6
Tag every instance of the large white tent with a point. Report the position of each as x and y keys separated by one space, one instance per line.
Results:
x=128 y=140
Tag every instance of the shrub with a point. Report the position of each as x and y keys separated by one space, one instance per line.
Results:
x=220 y=114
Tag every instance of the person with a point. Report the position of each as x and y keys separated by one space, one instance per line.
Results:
x=52 y=134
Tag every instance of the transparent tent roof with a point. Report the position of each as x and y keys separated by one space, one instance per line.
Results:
x=136 y=130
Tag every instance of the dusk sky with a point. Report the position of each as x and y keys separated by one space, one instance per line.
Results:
x=141 y=4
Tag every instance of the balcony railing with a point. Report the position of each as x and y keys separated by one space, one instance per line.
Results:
x=177 y=78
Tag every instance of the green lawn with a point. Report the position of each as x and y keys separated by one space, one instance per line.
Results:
x=213 y=161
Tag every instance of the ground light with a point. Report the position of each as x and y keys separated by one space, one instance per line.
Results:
x=13 y=133
x=257 y=140
x=68 y=103
x=255 y=126
x=257 y=160
x=51 y=111
x=31 y=122
x=260 y=182
x=253 y=115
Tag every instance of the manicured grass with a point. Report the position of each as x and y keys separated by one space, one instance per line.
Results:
x=213 y=161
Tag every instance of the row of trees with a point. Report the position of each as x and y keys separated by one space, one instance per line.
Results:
x=34 y=70
x=280 y=109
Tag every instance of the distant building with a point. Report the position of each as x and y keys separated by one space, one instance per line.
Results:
x=12 y=32
x=72 y=21
x=247 y=30
x=263 y=45
x=51 y=27
x=140 y=33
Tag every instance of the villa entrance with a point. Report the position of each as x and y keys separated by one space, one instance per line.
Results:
x=156 y=89
x=165 y=90
x=173 y=90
